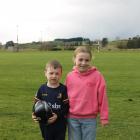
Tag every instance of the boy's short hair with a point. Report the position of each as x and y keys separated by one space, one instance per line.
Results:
x=53 y=63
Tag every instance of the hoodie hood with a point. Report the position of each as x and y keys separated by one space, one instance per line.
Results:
x=89 y=71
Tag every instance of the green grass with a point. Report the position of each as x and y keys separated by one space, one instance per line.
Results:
x=22 y=73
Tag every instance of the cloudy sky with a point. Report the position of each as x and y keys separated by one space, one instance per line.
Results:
x=40 y=20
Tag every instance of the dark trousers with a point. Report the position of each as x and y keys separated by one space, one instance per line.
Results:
x=53 y=132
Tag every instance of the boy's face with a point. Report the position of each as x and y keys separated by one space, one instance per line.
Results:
x=82 y=61
x=53 y=75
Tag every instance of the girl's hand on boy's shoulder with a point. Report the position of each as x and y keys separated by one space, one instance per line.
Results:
x=52 y=119
x=36 y=119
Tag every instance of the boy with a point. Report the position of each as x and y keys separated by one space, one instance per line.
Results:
x=55 y=94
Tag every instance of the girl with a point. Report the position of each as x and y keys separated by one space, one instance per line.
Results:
x=87 y=97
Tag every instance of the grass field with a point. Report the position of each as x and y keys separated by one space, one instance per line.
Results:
x=22 y=73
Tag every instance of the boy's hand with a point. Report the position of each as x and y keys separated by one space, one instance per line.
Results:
x=36 y=119
x=52 y=119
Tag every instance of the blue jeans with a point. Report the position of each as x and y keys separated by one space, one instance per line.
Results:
x=81 y=129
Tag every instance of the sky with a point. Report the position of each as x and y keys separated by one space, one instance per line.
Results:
x=46 y=20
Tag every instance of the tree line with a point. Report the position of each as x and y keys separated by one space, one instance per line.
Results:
x=133 y=43
x=71 y=43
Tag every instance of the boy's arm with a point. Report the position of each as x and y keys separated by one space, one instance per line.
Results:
x=64 y=106
x=36 y=119
x=36 y=98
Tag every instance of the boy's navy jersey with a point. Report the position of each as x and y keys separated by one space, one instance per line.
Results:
x=56 y=98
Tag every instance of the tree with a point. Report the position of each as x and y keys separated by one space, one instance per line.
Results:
x=133 y=43
x=0 y=45
x=138 y=42
x=9 y=44
x=104 y=42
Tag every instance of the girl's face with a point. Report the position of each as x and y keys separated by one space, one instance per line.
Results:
x=82 y=61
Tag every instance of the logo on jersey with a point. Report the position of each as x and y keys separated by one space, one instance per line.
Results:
x=44 y=94
x=54 y=106
x=59 y=96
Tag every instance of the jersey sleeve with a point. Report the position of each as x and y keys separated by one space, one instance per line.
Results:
x=65 y=104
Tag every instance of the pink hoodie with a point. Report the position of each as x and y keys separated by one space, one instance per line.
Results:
x=87 y=95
